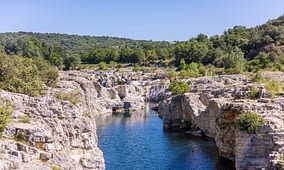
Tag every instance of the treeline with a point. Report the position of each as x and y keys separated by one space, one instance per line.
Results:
x=66 y=51
x=238 y=49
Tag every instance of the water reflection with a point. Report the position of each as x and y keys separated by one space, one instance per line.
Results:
x=138 y=141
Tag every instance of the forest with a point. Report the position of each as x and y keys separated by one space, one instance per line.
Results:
x=238 y=49
x=30 y=60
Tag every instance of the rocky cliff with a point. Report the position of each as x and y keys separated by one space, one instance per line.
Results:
x=57 y=129
x=213 y=106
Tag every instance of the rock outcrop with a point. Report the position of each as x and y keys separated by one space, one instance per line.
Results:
x=58 y=129
x=213 y=106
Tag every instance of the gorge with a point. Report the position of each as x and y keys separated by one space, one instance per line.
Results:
x=61 y=131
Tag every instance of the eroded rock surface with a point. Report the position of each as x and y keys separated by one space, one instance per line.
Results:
x=213 y=105
x=58 y=129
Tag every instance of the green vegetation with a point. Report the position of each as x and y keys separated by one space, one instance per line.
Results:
x=87 y=114
x=178 y=87
x=250 y=121
x=25 y=119
x=102 y=65
x=238 y=50
x=25 y=75
x=258 y=77
x=55 y=167
x=20 y=137
x=172 y=74
x=253 y=93
x=6 y=110
x=73 y=97
x=282 y=161
x=192 y=70
x=273 y=88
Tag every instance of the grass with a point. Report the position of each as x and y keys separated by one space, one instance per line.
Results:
x=73 y=97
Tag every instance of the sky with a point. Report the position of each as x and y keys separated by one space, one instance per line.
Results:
x=168 y=20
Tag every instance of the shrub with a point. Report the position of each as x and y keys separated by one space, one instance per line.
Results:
x=23 y=75
x=6 y=110
x=73 y=97
x=250 y=121
x=172 y=74
x=273 y=88
x=182 y=64
x=136 y=67
x=102 y=65
x=258 y=77
x=178 y=87
x=87 y=114
x=47 y=73
x=55 y=167
x=193 y=70
x=25 y=119
x=254 y=93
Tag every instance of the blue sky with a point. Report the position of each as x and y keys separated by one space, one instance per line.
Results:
x=137 y=19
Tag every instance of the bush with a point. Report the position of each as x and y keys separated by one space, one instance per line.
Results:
x=136 y=67
x=6 y=111
x=273 y=88
x=23 y=75
x=25 y=119
x=172 y=74
x=178 y=87
x=254 y=93
x=258 y=77
x=55 y=167
x=193 y=70
x=47 y=73
x=102 y=65
x=250 y=122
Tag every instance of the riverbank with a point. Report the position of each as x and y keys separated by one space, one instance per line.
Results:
x=58 y=128
x=212 y=107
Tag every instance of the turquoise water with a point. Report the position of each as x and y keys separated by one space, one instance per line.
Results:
x=137 y=141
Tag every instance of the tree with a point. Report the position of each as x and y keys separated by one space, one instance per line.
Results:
x=182 y=64
x=234 y=61
x=137 y=56
x=32 y=48
x=71 y=62
x=125 y=55
x=191 y=51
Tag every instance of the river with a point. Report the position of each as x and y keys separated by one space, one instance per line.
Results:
x=137 y=141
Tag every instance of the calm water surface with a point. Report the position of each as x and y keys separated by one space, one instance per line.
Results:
x=138 y=141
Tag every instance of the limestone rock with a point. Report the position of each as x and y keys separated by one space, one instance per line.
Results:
x=213 y=106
